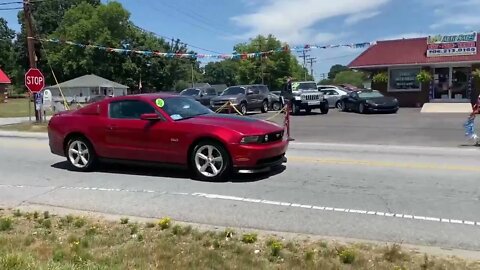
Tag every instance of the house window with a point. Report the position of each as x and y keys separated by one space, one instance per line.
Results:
x=404 y=80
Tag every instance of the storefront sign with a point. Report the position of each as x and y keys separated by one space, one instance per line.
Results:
x=453 y=45
x=439 y=39
x=451 y=52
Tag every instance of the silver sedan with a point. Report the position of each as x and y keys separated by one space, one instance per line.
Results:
x=333 y=95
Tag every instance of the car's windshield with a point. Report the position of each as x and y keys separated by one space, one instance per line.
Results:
x=190 y=92
x=370 y=94
x=306 y=86
x=179 y=108
x=233 y=91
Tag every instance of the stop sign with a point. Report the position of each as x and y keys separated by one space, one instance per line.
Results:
x=34 y=80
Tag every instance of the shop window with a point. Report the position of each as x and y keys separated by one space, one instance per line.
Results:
x=404 y=80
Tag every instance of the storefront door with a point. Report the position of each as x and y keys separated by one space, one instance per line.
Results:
x=451 y=83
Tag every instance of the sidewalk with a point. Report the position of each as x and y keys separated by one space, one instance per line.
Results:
x=16 y=120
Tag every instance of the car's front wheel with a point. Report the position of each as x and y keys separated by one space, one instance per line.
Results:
x=295 y=108
x=324 y=108
x=264 y=108
x=340 y=106
x=210 y=161
x=80 y=154
x=276 y=106
x=243 y=108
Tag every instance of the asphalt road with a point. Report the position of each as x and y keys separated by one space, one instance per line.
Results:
x=407 y=127
x=416 y=195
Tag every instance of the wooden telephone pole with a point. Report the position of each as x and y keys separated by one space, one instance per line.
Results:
x=31 y=47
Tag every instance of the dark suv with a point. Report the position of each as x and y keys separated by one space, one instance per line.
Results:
x=244 y=98
x=202 y=95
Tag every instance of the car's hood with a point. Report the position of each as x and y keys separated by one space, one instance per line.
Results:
x=226 y=97
x=381 y=100
x=242 y=124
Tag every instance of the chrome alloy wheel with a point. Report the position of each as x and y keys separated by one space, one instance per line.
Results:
x=78 y=154
x=209 y=161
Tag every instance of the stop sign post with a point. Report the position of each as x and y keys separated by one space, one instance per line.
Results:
x=35 y=82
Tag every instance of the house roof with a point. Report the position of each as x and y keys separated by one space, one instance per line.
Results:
x=4 y=78
x=405 y=52
x=89 y=81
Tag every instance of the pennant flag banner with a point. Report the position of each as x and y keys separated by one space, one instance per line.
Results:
x=239 y=56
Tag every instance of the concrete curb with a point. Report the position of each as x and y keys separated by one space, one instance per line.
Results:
x=25 y=135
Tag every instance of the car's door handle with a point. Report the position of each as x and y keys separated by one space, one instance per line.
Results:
x=110 y=127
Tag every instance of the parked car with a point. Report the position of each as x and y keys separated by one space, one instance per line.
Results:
x=333 y=95
x=305 y=96
x=274 y=101
x=244 y=98
x=365 y=101
x=165 y=129
x=202 y=95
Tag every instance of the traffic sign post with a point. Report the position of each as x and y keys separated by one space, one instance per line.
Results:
x=35 y=82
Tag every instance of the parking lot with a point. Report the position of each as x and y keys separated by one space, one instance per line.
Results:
x=408 y=127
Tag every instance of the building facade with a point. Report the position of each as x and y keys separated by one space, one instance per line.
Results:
x=450 y=60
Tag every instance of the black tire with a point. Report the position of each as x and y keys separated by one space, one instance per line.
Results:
x=276 y=106
x=340 y=106
x=264 y=108
x=308 y=110
x=324 y=108
x=80 y=144
x=243 y=108
x=223 y=172
x=361 y=108
x=295 y=108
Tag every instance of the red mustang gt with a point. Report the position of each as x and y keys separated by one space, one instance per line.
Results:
x=166 y=129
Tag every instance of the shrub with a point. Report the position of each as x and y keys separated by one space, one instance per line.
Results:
x=79 y=222
x=381 y=77
x=165 y=223
x=47 y=223
x=6 y=224
x=228 y=233
x=133 y=229
x=249 y=238
x=150 y=225
x=347 y=256
x=124 y=221
x=46 y=215
x=309 y=256
x=424 y=76
x=393 y=253
x=35 y=215
x=17 y=213
x=276 y=247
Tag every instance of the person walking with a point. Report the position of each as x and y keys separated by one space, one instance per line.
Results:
x=470 y=123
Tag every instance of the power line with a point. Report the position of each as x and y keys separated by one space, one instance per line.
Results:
x=18 y=2
x=12 y=8
x=168 y=38
x=205 y=27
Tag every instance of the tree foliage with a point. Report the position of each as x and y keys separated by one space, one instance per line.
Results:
x=355 y=78
x=335 y=69
x=108 y=24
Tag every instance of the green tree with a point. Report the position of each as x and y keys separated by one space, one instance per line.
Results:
x=325 y=82
x=223 y=72
x=335 y=69
x=355 y=78
x=271 y=69
x=6 y=47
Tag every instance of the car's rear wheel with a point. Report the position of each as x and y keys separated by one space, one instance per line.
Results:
x=276 y=106
x=264 y=108
x=80 y=154
x=210 y=161
x=361 y=108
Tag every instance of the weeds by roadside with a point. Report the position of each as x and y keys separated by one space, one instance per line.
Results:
x=45 y=241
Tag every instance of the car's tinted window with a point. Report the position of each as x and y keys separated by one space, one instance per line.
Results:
x=179 y=108
x=264 y=89
x=211 y=92
x=190 y=92
x=233 y=91
x=129 y=109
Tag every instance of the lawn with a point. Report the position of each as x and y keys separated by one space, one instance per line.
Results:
x=43 y=241
x=17 y=107
x=26 y=127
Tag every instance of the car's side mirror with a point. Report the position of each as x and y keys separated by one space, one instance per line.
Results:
x=150 y=116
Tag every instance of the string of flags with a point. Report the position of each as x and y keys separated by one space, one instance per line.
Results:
x=205 y=56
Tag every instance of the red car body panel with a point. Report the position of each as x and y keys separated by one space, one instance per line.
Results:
x=164 y=141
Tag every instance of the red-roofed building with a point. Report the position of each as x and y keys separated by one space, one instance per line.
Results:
x=4 y=83
x=449 y=59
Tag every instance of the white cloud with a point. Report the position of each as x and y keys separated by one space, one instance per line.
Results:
x=404 y=35
x=454 y=13
x=355 y=18
x=293 y=20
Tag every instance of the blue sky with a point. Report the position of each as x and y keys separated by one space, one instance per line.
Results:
x=219 y=24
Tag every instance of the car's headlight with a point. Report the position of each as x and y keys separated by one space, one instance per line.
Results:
x=298 y=98
x=250 y=139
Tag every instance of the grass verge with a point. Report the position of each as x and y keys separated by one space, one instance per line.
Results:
x=44 y=241
x=17 y=107
x=26 y=127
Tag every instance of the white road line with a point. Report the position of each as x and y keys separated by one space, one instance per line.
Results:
x=260 y=201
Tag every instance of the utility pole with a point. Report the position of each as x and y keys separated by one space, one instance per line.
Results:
x=304 y=56
x=312 y=60
x=31 y=48
x=193 y=79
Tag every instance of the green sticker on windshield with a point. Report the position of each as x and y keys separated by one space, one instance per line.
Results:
x=160 y=103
